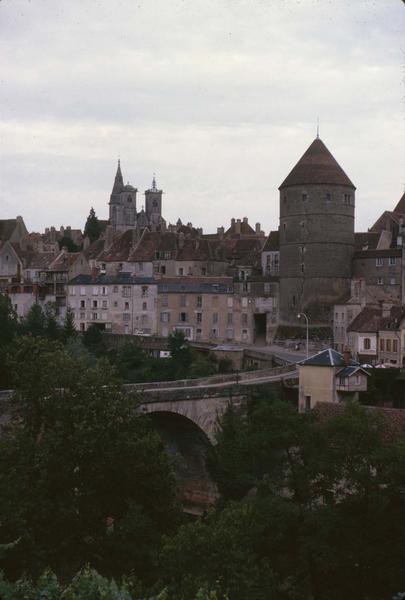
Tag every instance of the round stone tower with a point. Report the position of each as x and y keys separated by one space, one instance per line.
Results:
x=317 y=201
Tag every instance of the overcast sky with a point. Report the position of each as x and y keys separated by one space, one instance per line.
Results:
x=219 y=97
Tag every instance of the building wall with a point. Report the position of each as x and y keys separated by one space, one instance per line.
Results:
x=318 y=383
x=207 y=317
x=382 y=274
x=343 y=315
x=316 y=250
x=120 y=308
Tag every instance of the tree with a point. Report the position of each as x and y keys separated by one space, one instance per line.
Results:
x=92 y=228
x=316 y=499
x=34 y=322
x=93 y=340
x=8 y=329
x=69 y=329
x=180 y=352
x=83 y=477
x=67 y=242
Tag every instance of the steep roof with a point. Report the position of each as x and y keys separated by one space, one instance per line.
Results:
x=400 y=207
x=272 y=243
x=327 y=358
x=366 y=240
x=317 y=166
x=367 y=321
x=7 y=227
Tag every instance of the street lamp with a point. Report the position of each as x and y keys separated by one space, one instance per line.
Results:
x=307 y=320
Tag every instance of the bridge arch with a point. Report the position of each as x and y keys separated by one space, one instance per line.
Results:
x=188 y=448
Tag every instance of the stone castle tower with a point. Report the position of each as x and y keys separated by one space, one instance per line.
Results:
x=317 y=202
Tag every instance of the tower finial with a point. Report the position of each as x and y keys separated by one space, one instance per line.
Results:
x=317 y=128
x=154 y=182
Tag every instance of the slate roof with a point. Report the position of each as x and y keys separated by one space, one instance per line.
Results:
x=317 y=166
x=120 y=278
x=7 y=227
x=272 y=242
x=349 y=371
x=94 y=249
x=196 y=285
x=327 y=358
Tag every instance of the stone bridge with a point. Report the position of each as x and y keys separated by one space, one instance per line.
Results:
x=203 y=400
x=185 y=414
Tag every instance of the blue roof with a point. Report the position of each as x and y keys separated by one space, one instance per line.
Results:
x=349 y=371
x=327 y=358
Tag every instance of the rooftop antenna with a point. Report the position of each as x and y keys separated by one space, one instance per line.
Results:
x=317 y=128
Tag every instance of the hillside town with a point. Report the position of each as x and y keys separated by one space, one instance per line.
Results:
x=136 y=274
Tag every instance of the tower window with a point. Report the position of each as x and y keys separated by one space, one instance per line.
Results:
x=304 y=197
x=328 y=197
x=129 y=199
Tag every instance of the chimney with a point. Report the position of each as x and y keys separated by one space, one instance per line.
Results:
x=220 y=232
x=386 y=309
x=347 y=357
x=257 y=229
x=237 y=226
x=94 y=272
x=245 y=220
x=109 y=236
x=200 y=231
x=232 y=222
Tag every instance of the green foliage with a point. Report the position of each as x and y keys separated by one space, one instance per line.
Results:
x=316 y=500
x=8 y=321
x=82 y=477
x=69 y=329
x=88 y=584
x=67 y=242
x=180 y=352
x=35 y=321
x=93 y=340
x=92 y=228
x=8 y=330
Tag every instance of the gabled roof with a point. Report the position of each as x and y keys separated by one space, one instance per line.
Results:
x=317 y=166
x=367 y=320
x=272 y=243
x=7 y=227
x=350 y=371
x=327 y=358
x=400 y=207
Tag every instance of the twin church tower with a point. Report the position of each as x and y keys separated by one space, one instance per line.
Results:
x=123 y=211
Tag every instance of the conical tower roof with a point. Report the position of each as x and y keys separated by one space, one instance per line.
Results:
x=118 y=182
x=317 y=166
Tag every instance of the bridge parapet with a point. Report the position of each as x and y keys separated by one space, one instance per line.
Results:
x=232 y=378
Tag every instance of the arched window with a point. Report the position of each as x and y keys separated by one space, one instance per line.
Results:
x=129 y=199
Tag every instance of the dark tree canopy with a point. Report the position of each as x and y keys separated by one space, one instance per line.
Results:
x=92 y=228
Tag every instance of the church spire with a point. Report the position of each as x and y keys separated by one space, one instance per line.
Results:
x=118 y=182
